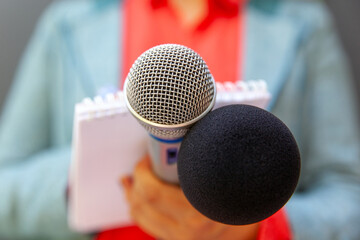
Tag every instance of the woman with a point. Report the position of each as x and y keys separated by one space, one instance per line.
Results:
x=81 y=47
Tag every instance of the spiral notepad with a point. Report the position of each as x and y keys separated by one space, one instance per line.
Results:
x=108 y=142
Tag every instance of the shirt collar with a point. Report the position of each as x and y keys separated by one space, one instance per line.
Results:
x=222 y=7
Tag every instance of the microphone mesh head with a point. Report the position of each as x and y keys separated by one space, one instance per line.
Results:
x=168 y=88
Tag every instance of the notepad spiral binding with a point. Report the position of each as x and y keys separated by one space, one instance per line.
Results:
x=252 y=92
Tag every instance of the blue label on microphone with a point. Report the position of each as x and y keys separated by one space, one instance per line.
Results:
x=172 y=155
x=171 y=141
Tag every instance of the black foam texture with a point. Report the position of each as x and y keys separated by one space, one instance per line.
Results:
x=238 y=165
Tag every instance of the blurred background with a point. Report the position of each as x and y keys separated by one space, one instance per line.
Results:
x=18 y=18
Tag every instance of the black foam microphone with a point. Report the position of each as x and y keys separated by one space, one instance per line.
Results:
x=238 y=165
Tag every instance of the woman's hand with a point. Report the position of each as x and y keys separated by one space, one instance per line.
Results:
x=162 y=210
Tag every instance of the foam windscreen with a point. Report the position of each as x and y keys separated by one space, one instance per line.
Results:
x=238 y=165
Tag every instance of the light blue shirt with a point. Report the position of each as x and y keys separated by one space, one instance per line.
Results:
x=75 y=51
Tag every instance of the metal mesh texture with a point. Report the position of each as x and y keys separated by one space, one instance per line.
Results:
x=165 y=133
x=169 y=84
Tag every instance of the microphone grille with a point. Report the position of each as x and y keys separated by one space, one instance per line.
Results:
x=169 y=84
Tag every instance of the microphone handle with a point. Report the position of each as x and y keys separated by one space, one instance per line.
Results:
x=163 y=154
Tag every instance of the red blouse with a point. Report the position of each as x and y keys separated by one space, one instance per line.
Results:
x=217 y=38
x=275 y=227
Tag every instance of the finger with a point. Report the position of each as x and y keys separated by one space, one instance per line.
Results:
x=150 y=220
x=202 y=226
x=153 y=186
x=127 y=182
x=163 y=196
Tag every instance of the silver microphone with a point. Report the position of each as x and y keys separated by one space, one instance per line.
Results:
x=168 y=89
